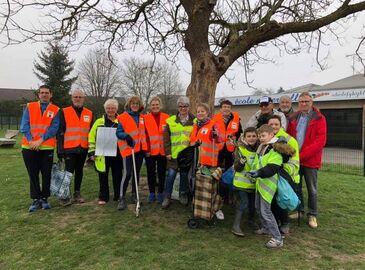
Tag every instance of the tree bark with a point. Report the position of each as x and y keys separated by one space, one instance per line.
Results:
x=204 y=79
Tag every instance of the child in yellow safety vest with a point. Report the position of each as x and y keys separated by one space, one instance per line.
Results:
x=244 y=187
x=266 y=166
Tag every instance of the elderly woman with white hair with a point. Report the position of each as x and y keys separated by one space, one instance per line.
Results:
x=72 y=140
x=176 y=138
x=104 y=164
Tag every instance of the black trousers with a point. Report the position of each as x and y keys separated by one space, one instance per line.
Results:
x=116 y=166
x=281 y=215
x=128 y=172
x=38 y=162
x=225 y=161
x=154 y=163
x=74 y=163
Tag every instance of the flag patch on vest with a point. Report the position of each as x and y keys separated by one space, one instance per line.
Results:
x=50 y=114
x=86 y=118
x=141 y=120
x=234 y=125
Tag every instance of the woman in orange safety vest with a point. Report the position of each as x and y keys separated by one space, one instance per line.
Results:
x=131 y=135
x=155 y=123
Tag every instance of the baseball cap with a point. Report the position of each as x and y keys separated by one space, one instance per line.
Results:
x=265 y=99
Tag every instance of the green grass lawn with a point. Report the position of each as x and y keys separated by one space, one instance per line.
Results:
x=89 y=236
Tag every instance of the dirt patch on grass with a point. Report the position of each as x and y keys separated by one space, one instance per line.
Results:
x=345 y=258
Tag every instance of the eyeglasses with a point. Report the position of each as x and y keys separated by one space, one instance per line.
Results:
x=305 y=101
x=264 y=104
x=183 y=106
x=77 y=97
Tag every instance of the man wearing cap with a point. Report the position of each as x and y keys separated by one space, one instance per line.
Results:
x=285 y=106
x=266 y=110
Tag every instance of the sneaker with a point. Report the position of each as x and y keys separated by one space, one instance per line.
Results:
x=77 y=197
x=295 y=215
x=284 y=229
x=183 y=198
x=166 y=202
x=36 y=204
x=312 y=222
x=45 y=204
x=219 y=214
x=151 y=197
x=101 y=202
x=274 y=243
x=159 y=198
x=122 y=204
x=65 y=202
x=262 y=231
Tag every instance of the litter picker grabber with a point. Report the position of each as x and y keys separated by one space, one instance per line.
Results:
x=138 y=206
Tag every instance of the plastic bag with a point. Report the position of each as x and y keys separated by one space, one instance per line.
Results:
x=227 y=177
x=286 y=198
x=60 y=182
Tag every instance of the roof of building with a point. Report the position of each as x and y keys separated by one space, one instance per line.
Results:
x=352 y=82
x=16 y=94
x=303 y=88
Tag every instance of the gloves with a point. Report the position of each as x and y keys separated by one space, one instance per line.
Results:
x=254 y=174
x=129 y=141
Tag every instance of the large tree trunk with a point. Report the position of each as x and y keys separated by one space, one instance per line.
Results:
x=204 y=79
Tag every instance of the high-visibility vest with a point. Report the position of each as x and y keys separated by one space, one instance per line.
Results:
x=138 y=134
x=179 y=137
x=99 y=160
x=77 y=129
x=208 y=150
x=231 y=129
x=240 y=179
x=39 y=124
x=155 y=133
x=292 y=165
x=267 y=186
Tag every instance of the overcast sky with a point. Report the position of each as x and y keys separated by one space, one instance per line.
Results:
x=16 y=68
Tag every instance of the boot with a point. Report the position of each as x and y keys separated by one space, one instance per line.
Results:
x=236 y=229
x=166 y=202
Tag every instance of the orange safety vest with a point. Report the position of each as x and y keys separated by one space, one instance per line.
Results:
x=77 y=129
x=208 y=150
x=155 y=133
x=39 y=124
x=138 y=134
x=231 y=129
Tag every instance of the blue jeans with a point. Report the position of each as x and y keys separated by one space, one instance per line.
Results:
x=267 y=218
x=310 y=177
x=170 y=179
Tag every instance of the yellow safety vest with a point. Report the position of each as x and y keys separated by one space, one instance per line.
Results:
x=180 y=136
x=240 y=179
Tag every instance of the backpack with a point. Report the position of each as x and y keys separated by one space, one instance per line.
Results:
x=286 y=198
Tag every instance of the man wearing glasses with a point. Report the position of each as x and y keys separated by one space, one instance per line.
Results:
x=266 y=110
x=309 y=127
x=72 y=140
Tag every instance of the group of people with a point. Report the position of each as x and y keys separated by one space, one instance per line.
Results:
x=273 y=142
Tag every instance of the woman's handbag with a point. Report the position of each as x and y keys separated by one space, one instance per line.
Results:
x=60 y=181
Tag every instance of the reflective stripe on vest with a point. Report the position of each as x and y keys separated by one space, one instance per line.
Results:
x=208 y=150
x=180 y=136
x=292 y=165
x=39 y=124
x=138 y=134
x=267 y=186
x=231 y=129
x=241 y=180
x=77 y=129
x=155 y=133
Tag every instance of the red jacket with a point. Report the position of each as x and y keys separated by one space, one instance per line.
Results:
x=314 y=140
